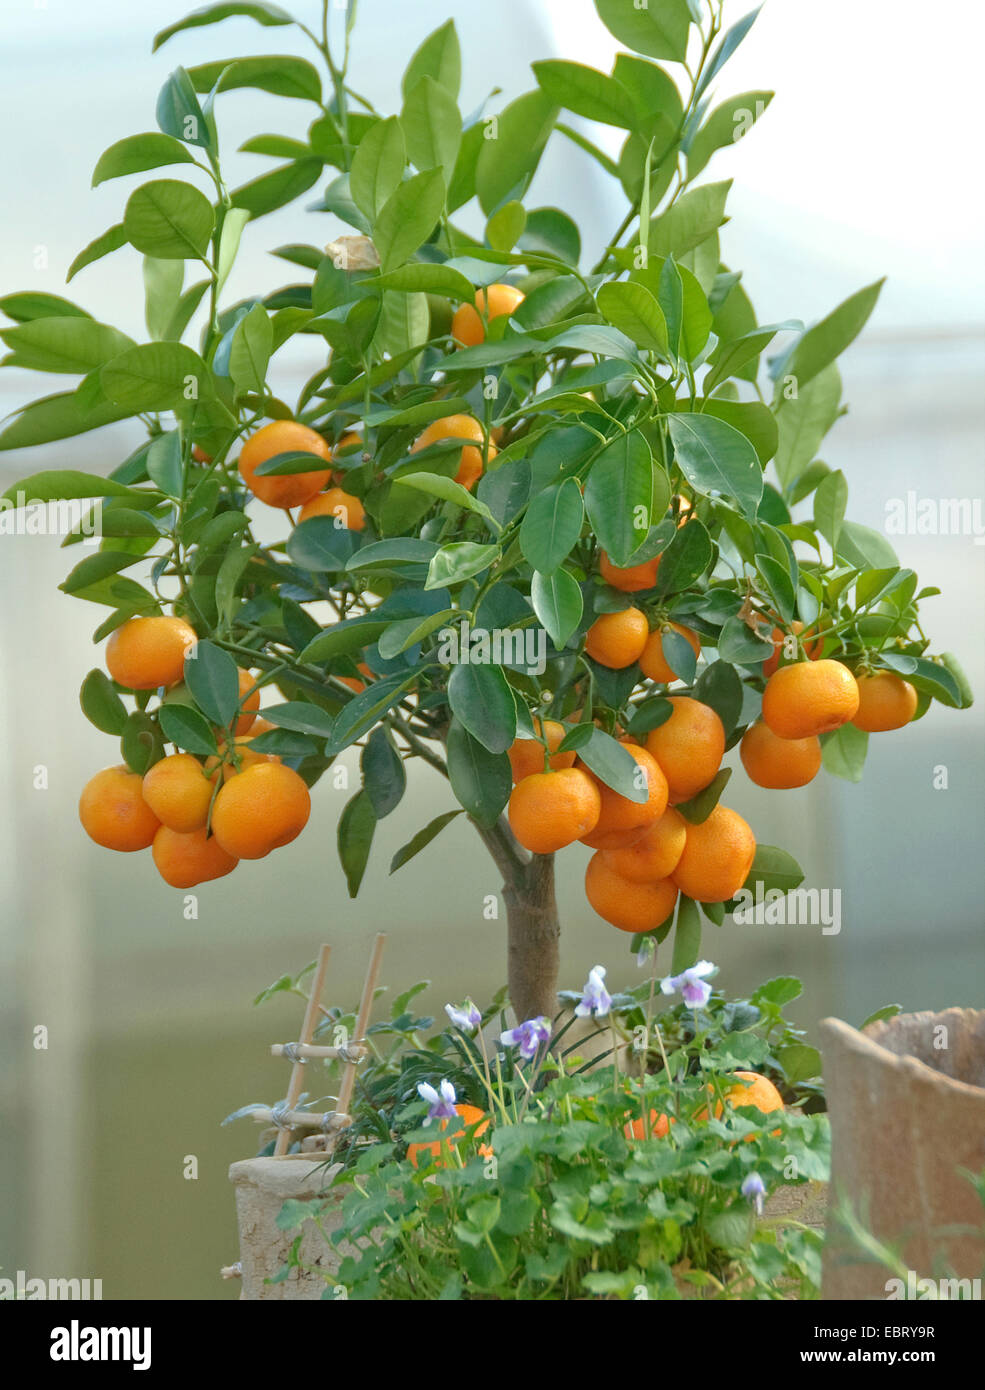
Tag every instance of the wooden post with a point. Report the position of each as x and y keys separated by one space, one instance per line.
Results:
x=307 y=1033
x=362 y=1023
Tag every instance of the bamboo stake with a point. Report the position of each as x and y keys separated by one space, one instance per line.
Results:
x=362 y=1023
x=314 y=1050
x=307 y=1032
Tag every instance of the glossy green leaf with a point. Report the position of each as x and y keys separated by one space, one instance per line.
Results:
x=169 y=219
x=821 y=344
x=408 y=217
x=213 y=679
x=439 y=57
x=481 y=700
x=482 y=781
x=432 y=126
x=71 y=344
x=356 y=827
x=726 y=125
x=690 y=220
x=156 y=376
x=715 y=457
x=659 y=29
x=136 y=153
x=459 y=561
x=687 y=937
x=551 y=526
x=586 y=91
x=512 y=148
x=619 y=495
x=101 y=705
x=421 y=840
x=830 y=501
x=278 y=188
x=187 y=729
x=383 y=772
x=253 y=343
x=280 y=74
x=104 y=245
x=633 y=310
x=265 y=14
x=377 y=168
x=558 y=603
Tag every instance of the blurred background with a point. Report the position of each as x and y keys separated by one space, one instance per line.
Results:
x=863 y=166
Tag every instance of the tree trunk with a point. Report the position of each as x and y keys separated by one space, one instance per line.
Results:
x=533 y=929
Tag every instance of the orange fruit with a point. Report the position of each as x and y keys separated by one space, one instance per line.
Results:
x=147 y=652
x=527 y=754
x=261 y=726
x=684 y=509
x=750 y=1089
x=113 y=811
x=629 y=906
x=618 y=814
x=179 y=792
x=470 y=463
x=549 y=810
x=659 y=1127
x=259 y=809
x=471 y=1115
x=467 y=327
x=813 y=649
x=885 y=701
x=347 y=510
x=185 y=860
x=245 y=756
x=617 y=640
x=809 y=698
x=656 y=854
x=631 y=579
x=654 y=664
x=778 y=763
x=717 y=857
x=250 y=705
x=199 y=455
x=290 y=489
x=689 y=746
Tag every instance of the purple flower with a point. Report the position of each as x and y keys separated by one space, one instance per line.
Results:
x=754 y=1190
x=691 y=984
x=595 y=998
x=441 y=1107
x=528 y=1036
x=467 y=1018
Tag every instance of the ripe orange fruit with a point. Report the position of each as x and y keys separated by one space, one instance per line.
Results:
x=250 y=705
x=470 y=463
x=750 y=1089
x=467 y=327
x=259 y=809
x=659 y=1127
x=813 y=649
x=179 y=792
x=113 y=811
x=527 y=754
x=617 y=640
x=689 y=746
x=717 y=857
x=631 y=579
x=656 y=854
x=618 y=814
x=778 y=763
x=885 y=701
x=199 y=455
x=346 y=509
x=629 y=906
x=654 y=664
x=549 y=810
x=185 y=860
x=809 y=698
x=147 y=652
x=471 y=1115
x=284 y=437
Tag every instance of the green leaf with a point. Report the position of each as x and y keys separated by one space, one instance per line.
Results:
x=408 y=217
x=432 y=279
x=558 y=603
x=212 y=14
x=59 y=417
x=97 y=567
x=357 y=825
x=432 y=126
x=482 y=701
x=609 y=760
x=233 y=222
x=278 y=188
x=449 y=491
x=101 y=705
x=482 y=781
x=28 y=305
x=587 y=92
x=619 y=495
x=512 y=148
x=407 y=632
x=164 y=464
x=70 y=344
x=302 y=717
x=685 y=559
x=65 y=484
x=421 y=840
x=720 y=687
x=439 y=57
x=800 y=1062
x=553 y=231
x=887 y=1011
x=551 y=526
x=633 y=310
x=169 y=219
x=803 y=421
x=162 y=291
x=185 y=309
x=700 y=807
x=730 y=42
x=864 y=548
x=733 y=355
x=383 y=771
x=253 y=343
x=687 y=936
x=283 y=75
x=659 y=29
x=377 y=170
x=714 y=457
x=689 y=221
x=110 y=240
x=213 y=679
x=459 y=561
x=180 y=115
x=141 y=742
x=187 y=729
x=231 y=571
x=137 y=153
x=773 y=868
x=830 y=500
x=156 y=376
x=821 y=344
x=738 y=643
x=726 y=125
x=505 y=228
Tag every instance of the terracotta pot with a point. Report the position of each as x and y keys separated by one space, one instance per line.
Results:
x=906 y=1100
x=262 y=1186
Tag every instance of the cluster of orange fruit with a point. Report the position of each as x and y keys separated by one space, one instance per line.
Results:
x=199 y=818
x=647 y=853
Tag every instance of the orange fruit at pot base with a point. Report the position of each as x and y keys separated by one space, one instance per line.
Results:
x=629 y=906
x=813 y=649
x=630 y=579
x=179 y=792
x=145 y=653
x=659 y=1127
x=618 y=814
x=527 y=754
x=549 y=810
x=779 y=763
x=689 y=746
x=260 y=809
x=653 y=662
x=466 y=427
x=655 y=855
x=290 y=489
x=186 y=860
x=885 y=702
x=114 y=813
x=467 y=327
x=347 y=510
x=750 y=1089
x=470 y=1115
x=809 y=698
x=717 y=857
x=617 y=640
